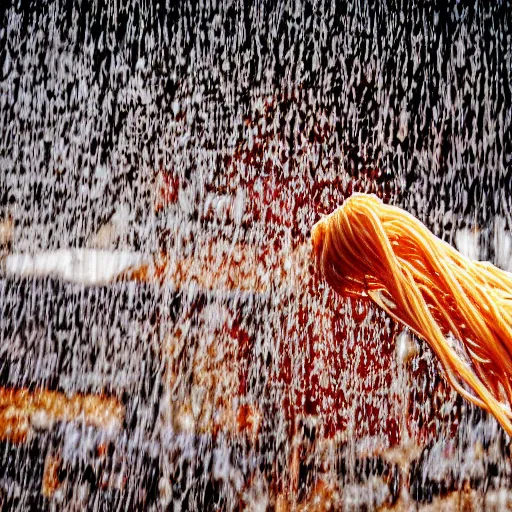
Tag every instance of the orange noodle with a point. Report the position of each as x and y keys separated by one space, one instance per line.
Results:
x=462 y=308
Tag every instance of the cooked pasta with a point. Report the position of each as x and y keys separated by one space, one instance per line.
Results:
x=462 y=308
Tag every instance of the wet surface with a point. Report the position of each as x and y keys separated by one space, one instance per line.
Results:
x=189 y=148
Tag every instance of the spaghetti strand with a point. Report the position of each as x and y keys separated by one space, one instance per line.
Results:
x=368 y=249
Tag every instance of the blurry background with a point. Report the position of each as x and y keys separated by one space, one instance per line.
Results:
x=164 y=341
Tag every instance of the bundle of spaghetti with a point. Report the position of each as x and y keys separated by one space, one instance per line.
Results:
x=462 y=308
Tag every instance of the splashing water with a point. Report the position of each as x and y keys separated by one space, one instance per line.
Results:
x=165 y=343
